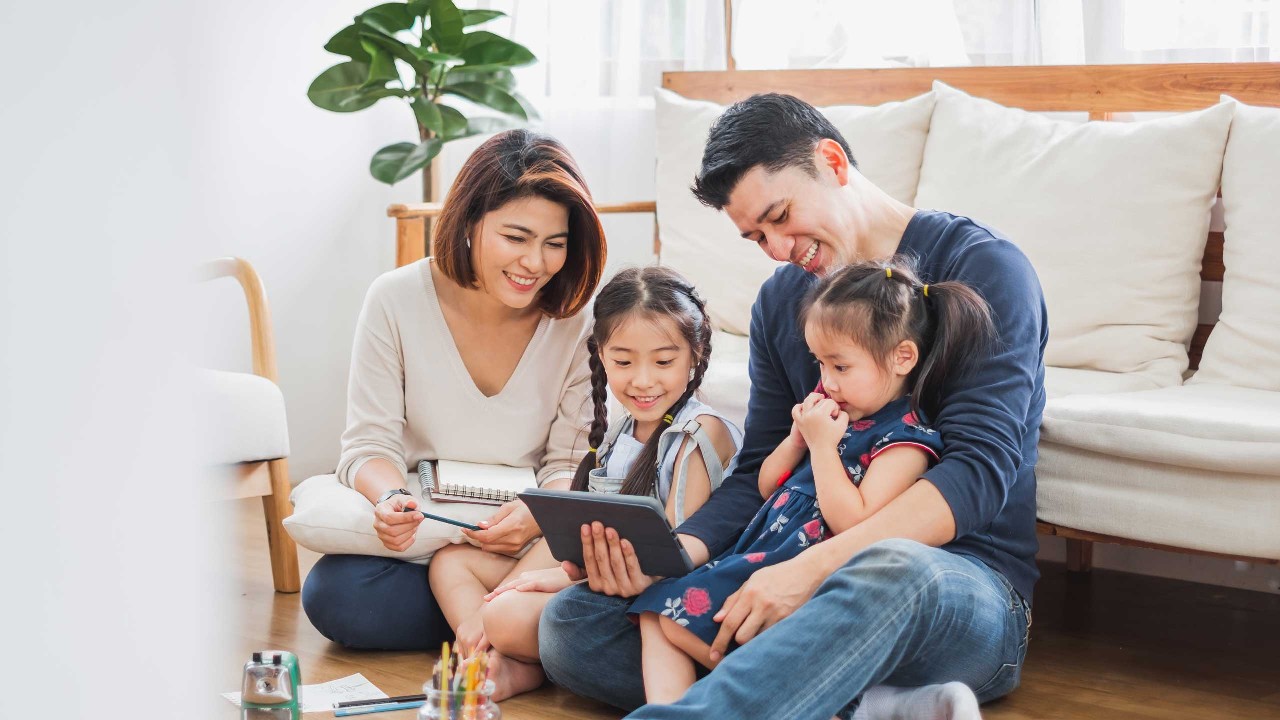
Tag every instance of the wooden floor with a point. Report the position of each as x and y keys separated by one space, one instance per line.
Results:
x=1112 y=646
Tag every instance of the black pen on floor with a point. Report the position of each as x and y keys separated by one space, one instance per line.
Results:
x=380 y=701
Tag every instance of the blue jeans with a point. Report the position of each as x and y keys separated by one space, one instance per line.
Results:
x=362 y=601
x=899 y=613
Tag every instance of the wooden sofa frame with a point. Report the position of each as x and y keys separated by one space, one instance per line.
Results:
x=1103 y=91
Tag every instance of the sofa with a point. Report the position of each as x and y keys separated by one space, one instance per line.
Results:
x=1163 y=423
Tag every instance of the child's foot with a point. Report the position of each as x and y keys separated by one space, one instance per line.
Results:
x=512 y=677
x=952 y=701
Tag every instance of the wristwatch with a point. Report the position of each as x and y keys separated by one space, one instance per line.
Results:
x=390 y=493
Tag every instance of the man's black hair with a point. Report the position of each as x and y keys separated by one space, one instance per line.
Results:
x=772 y=130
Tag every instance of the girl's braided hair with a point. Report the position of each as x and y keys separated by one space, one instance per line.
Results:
x=651 y=292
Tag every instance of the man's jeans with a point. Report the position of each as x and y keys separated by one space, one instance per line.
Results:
x=899 y=613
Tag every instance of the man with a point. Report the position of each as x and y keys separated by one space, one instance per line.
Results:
x=936 y=586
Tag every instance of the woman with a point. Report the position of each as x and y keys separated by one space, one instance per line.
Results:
x=475 y=354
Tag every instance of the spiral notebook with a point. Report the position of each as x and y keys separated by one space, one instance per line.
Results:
x=456 y=481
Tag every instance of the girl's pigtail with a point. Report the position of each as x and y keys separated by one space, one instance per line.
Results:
x=600 y=420
x=963 y=334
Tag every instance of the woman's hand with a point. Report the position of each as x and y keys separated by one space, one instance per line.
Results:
x=611 y=565
x=823 y=424
x=509 y=530
x=471 y=635
x=396 y=521
x=551 y=580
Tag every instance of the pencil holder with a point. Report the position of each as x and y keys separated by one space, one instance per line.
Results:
x=458 y=705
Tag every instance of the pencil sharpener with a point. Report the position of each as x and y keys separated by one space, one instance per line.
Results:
x=271 y=686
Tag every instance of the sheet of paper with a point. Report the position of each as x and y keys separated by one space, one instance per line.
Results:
x=321 y=697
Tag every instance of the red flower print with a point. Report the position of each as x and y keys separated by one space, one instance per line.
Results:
x=911 y=419
x=754 y=557
x=696 y=601
x=782 y=499
x=865 y=460
x=813 y=529
x=862 y=424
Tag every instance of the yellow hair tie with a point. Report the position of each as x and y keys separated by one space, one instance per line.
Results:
x=668 y=419
x=888 y=272
x=926 y=291
x=592 y=450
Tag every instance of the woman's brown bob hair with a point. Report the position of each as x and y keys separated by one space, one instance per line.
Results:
x=510 y=166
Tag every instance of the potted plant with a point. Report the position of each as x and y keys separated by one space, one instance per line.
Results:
x=422 y=53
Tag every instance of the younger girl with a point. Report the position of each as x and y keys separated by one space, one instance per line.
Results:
x=650 y=346
x=886 y=344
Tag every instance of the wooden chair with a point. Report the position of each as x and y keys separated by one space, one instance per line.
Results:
x=257 y=468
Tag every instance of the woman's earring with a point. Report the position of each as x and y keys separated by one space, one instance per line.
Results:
x=468 y=243
x=691 y=374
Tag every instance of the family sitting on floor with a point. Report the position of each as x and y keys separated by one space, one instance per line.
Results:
x=864 y=547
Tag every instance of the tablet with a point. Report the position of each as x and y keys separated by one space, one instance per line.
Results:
x=641 y=520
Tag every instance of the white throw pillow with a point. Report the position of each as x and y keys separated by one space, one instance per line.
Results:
x=1113 y=216
x=1244 y=348
x=331 y=518
x=887 y=142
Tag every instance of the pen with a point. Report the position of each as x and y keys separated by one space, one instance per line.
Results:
x=450 y=521
x=381 y=701
x=384 y=707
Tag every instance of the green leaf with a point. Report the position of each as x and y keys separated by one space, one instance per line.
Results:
x=435 y=57
x=347 y=42
x=504 y=79
x=530 y=112
x=455 y=123
x=394 y=163
x=389 y=18
x=479 y=17
x=419 y=8
x=428 y=115
x=382 y=67
x=369 y=95
x=487 y=52
x=489 y=96
x=446 y=26
x=396 y=48
x=334 y=88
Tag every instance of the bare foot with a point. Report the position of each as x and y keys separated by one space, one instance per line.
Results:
x=512 y=677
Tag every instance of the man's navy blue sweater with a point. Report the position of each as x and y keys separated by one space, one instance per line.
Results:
x=989 y=421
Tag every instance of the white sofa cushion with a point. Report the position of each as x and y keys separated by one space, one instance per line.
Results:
x=1211 y=510
x=726 y=385
x=331 y=518
x=1211 y=427
x=1113 y=216
x=243 y=415
x=1245 y=344
x=1060 y=382
x=703 y=244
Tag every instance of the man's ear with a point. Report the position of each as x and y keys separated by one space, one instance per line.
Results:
x=904 y=357
x=830 y=157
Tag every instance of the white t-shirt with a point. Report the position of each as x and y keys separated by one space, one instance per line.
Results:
x=411 y=398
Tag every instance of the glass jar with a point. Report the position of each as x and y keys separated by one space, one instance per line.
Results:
x=455 y=706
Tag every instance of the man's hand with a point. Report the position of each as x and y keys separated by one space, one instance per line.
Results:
x=509 y=530
x=768 y=596
x=396 y=521
x=611 y=565
x=823 y=425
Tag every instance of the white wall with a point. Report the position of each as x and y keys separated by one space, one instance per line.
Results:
x=108 y=535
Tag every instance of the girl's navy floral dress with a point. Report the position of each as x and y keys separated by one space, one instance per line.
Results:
x=786 y=524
